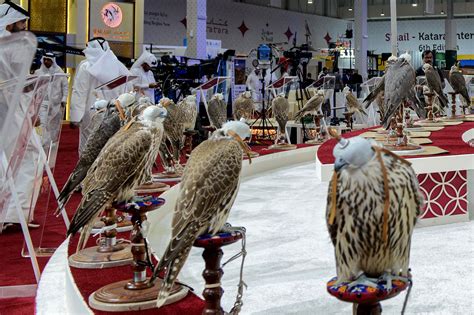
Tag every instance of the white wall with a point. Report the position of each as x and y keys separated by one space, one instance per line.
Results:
x=163 y=26
x=420 y=35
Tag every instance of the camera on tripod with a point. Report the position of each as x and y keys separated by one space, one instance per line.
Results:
x=298 y=55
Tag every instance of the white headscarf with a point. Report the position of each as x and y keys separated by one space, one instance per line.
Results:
x=103 y=64
x=9 y=15
x=54 y=67
x=147 y=58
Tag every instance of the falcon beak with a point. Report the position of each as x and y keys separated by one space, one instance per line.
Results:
x=339 y=164
x=120 y=110
x=243 y=145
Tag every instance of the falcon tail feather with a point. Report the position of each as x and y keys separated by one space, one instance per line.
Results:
x=91 y=206
x=174 y=258
x=74 y=180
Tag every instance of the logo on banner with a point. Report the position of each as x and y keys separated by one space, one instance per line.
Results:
x=112 y=15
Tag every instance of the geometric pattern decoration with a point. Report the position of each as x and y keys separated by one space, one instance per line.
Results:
x=445 y=194
x=288 y=33
x=243 y=28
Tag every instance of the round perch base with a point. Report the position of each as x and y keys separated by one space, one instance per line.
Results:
x=115 y=297
x=282 y=146
x=409 y=149
x=253 y=154
x=366 y=298
x=315 y=141
x=152 y=188
x=91 y=258
x=168 y=176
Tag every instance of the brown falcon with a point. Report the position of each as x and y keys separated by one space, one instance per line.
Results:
x=174 y=127
x=217 y=110
x=121 y=166
x=244 y=106
x=189 y=109
x=353 y=105
x=312 y=106
x=207 y=191
x=399 y=87
x=105 y=129
x=456 y=79
x=434 y=83
x=372 y=207
x=280 y=108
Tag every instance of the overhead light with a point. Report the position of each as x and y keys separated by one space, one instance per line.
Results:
x=381 y=13
x=310 y=1
x=350 y=9
x=414 y=4
x=442 y=12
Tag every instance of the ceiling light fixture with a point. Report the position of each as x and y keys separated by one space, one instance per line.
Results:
x=414 y=4
x=310 y=1
x=442 y=12
x=350 y=9
x=381 y=13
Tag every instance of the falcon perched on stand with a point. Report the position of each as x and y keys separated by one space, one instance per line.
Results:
x=217 y=110
x=353 y=105
x=379 y=88
x=399 y=87
x=174 y=127
x=189 y=109
x=108 y=126
x=434 y=83
x=122 y=165
x=312 y=107
x=244 y=106
x=456 y=79
x=208 y=189
x=280 y=108
x=372 y=207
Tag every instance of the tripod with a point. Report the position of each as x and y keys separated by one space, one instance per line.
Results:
x=265 y=124
x=301 y=92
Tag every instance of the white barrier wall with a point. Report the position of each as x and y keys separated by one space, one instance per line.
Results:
x=239 y=26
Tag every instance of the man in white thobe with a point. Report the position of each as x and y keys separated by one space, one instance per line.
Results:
x=99 y=67
x=145 y=83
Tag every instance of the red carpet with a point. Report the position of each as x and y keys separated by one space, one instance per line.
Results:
x=17 y=306
x=449 y=138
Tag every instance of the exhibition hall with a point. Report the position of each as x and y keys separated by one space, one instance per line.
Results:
x=186 y=157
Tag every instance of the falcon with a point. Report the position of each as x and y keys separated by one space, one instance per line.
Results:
x=174 y=126
x=379 y=88
x=312 y=107
x=372 y=207
x=280 y=108
x=399 y=88
x=434 y=83
x=217 y=110
x=207 y=192
x=105 y=129
x=353 y=105
x=122 y=165
x=189 y=108
x=244 y=106
x=456 y=79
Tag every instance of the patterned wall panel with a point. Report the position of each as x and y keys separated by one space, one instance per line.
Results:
x=445 y=194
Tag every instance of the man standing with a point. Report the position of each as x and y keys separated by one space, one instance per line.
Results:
x=428 y=57
x=254 y=84
x=51 y=112
x=99 y=67
x=12 y=20
x=145 y=82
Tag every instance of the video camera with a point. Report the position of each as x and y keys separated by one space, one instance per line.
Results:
x=297 y=55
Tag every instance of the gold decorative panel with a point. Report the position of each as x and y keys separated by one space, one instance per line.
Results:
x=48 y=16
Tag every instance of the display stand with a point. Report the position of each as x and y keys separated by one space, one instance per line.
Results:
x=282 y=86
x=45 y=144
x=213 y=86
x=109 y=253
x=213 y=272
x=326 y=84
x=19 y=106
x=367 y=87
x=137 y=293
